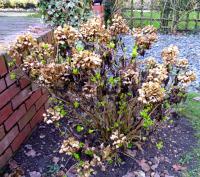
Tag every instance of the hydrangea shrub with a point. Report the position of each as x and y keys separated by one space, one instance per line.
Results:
x=111 y=102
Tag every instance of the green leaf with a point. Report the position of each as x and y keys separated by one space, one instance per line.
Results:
x=75 y=71
x=76 y=104
x=90 y=131
x=76 y=156
x=89 y=152
x=13 y=76
x=134 y=52
x=79 y=128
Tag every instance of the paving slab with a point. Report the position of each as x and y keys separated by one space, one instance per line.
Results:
x=13 y=24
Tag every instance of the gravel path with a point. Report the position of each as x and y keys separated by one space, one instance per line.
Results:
x=189 y=46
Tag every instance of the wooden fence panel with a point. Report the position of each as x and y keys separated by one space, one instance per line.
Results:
x=163 y=16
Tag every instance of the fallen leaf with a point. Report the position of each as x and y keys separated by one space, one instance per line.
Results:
x=35 y=174
x=129 y=174
x=12 y=164
x=145 y=166
x=56 y=160
x=31 y=153
x=178 y=167
x=42 y=136
x=139 y=173
x=131 y=153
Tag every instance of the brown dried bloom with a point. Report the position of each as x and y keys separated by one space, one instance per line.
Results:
x=182 y=63
x=52 y=74
x=146 y=37
x=187 y=77
x=151 y=62
x=170 y=54
x=45 y=52
x=119 y=26
x=70 y=146
x=85 y=169
x=118 y=139
x=66 y=35
x=23 y=43
x=89 y=90
x=94 y=31
x=86 y=60
x=129 y=75
x=51 y=116
x=158 y=74
x=149 y=30
x=151 y=92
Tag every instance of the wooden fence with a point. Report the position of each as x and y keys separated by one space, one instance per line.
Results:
x=165 y=16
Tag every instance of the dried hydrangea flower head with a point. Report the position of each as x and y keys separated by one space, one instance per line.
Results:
x=70 y=146
x=66 y=35
x=51 y=116
x=151 y=62
x=52 y=73
x=149 y=30
x=86 y=60
x=186 y=78
x=118 y=139
x=45 y=52
x=118 y=26
x=129 y=75
x=23 y=43
x=158 y=74
x=146 y=37
x=85 y=169
x=182 y=63
x=94 y=31
x=89 y=90
x=151 y=92
x=170 y=54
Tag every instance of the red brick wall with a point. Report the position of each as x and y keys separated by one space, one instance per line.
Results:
x=21 y=108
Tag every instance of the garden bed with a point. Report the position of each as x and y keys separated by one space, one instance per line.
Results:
x=40 y=153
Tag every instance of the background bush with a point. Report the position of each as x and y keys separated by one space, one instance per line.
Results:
x=18 y=3
x=59 y=12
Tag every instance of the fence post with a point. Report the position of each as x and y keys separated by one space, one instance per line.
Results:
x=142 y=12
x=132 y=13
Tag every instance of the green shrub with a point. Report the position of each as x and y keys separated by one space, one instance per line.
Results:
x=110 y=102
x=19 y=3
x=60 y=12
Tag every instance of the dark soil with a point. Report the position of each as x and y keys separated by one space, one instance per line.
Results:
x=177 y=137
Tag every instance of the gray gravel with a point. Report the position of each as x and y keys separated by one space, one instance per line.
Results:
x=189 y=46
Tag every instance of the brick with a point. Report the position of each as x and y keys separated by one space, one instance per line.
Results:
x=5 y=157
x=2 y=132
x=5 y=113
x=13 y=119
x=9 y=81
x=45 y=91
x=8 y=94
x=21 y=137
x=41 y=101
x=34 y=97
x=3 y=67
x=38 y=117
x=27 y=117
x=2 y=85
x=7 y=140
x=21 y=97
x=24 y=82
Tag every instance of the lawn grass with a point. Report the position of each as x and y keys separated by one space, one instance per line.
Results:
x=191 y=110
x=157 y=15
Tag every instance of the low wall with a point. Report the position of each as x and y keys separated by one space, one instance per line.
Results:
x=21 y=108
